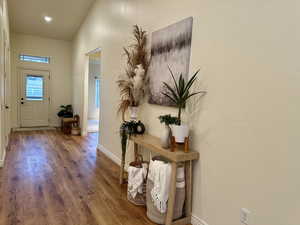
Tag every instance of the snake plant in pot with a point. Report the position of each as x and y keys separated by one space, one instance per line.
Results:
x=179 y=94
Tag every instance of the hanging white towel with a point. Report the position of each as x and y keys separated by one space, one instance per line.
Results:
x=136 y=178
x=160 y=175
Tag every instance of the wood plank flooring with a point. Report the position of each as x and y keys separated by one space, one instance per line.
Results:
x=53 y=179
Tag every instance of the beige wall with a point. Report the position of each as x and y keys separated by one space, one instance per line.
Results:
x=246 y=130
x=5 y=18
x=60 y=53
x=102 y=31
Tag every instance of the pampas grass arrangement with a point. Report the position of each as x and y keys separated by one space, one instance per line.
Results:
x=133 y=83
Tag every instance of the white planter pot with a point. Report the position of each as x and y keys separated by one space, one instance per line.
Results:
x=180 y=132
x=165 y=137
x=133 y=110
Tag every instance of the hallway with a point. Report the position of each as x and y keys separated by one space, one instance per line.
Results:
x=93 y=126
x=53 y=179
x=215 y=79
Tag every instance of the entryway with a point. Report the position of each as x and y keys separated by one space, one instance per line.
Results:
x=34 y=98
x=92 y=99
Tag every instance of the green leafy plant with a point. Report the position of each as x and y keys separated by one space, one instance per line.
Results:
x=127 y=128
x=168 y=119
x=65 y=111
x=180 y=93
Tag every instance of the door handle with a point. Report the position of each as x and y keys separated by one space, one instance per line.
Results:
x=7 y=107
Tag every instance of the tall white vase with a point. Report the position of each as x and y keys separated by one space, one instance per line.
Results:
x=165 y=136
x=133 y=110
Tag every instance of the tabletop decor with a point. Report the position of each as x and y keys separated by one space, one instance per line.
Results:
x=127 y=129
x=133 y=82
x=165 y=136
x=179 y=93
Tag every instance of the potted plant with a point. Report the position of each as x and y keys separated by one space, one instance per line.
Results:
x=133 y=83
x=126 y=129
x=167 y=120
x=179 y=94
x=66 y=111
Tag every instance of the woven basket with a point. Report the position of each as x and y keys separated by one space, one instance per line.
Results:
x=152 y=212
x=140 y=199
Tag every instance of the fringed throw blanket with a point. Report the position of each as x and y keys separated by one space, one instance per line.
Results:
x=160 y=175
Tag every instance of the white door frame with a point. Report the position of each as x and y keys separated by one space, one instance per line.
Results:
x=3 y=110
x=6 y=70
x=85 y=103
x=5 y=123
x=19 y=80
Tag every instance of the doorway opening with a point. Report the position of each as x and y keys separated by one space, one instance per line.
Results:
x=94 y=74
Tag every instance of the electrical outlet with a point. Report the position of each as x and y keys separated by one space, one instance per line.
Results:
x=245 y=213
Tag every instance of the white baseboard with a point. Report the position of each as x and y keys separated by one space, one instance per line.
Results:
x=33 y=128
x=109 y=154
x=3 y=159
x=197 y=221
x=55 y=125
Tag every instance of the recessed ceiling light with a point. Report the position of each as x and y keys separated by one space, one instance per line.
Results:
x=48 y=19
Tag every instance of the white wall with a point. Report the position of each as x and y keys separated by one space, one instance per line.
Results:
x=5 y=77
x=60 y=53
x=248 y=125
x=94 y=71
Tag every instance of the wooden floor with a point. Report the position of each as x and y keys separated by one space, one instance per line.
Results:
x=53 y=179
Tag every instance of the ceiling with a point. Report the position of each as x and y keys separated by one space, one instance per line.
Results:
x=26 y=16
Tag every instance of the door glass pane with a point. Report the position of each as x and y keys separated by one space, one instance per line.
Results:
x=97 y=88
x=34 y=88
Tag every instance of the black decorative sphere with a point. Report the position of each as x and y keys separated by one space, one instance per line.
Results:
x=139 y=128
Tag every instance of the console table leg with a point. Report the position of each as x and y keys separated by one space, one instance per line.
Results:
x=136 y=151
x=188 y=199
x=121 y=179
x=172 y=194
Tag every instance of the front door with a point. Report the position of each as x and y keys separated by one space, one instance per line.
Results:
x=34 y=98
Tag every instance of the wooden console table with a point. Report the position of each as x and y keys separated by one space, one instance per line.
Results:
x=153 y=144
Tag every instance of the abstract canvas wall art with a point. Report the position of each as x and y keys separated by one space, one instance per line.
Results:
x=170 y=46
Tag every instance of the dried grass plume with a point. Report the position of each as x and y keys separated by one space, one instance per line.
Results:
x=133 y=83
